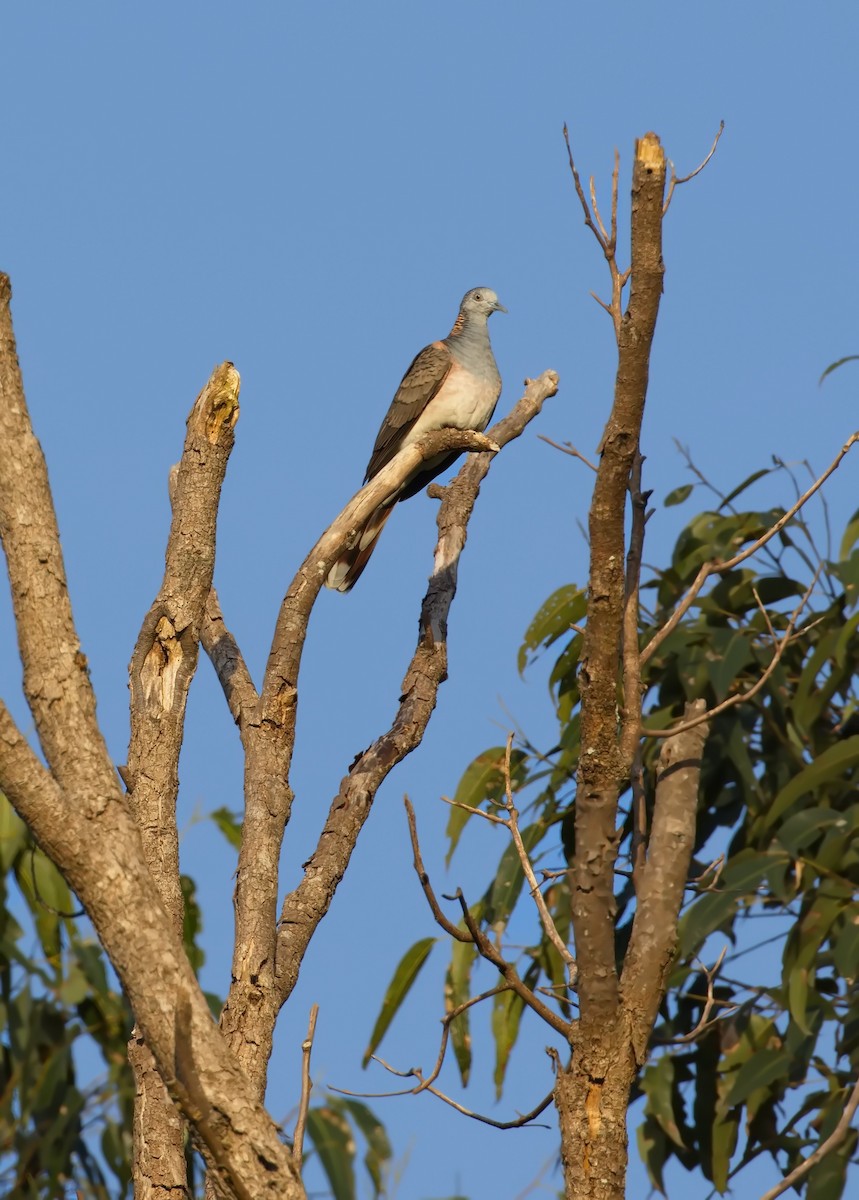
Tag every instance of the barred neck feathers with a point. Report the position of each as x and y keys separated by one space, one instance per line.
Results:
x=470 y=328
x=468 y=341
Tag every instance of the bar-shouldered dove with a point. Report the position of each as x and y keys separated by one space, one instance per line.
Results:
x=452 y=384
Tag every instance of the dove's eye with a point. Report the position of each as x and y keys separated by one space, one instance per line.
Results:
x=477 y=296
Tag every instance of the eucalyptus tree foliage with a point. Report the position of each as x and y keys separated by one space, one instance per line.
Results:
x=756 y=1047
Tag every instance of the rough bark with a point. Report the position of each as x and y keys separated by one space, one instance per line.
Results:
x=592 y=1094
x=602 y=771
x=80 y=818
x=162 y=668
x=268 y=953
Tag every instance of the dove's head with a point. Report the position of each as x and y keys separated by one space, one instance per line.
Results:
x=480 y=302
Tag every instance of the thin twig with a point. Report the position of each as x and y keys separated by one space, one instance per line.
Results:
x=638 y=851
x=834 y=1140
x=595 y=207
x=581 y=193
x=630 y=722
x=415 y=1073
x=674 y=181
x=477 y=812
x=306 y=1086
x=435 y=908
x=447 y=1021
x=718 y=568
x=536 y=892
x=475 y=934
x=568 y=448
x=742 y=697
x=615 y=175
x=704 y=1022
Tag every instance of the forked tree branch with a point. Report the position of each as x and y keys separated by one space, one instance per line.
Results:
x=267 y=726
x=511 y=824
x=305 y=907
x=835 y=1139
x=781 y=644
x=718 y=568
x=602 y=768
x=675 y=181
x=80 y=818
x=653 y=940
x=486 y=948
x=162 y=668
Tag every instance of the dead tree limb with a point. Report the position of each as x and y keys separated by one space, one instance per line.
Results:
x=78 y=814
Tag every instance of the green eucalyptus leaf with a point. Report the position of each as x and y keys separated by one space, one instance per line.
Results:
x=406 y=973
x=335 y=1145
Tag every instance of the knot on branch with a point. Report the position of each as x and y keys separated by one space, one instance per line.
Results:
x=217 y=405
x=161 y=667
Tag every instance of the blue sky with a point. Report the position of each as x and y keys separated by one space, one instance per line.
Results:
x=308 y=190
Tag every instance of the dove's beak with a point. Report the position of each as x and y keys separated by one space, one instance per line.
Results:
x=499 y=307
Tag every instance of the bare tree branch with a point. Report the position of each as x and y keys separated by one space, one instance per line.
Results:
x=601 y=768
x=704 y=1022
x=741 y=697
x=230 y=666
x=654 y=929
x=831 y=1143
x=306 y=1086
x=630 y=717
x=568 y=448
x=80 y=818
x=485 y=947
x=717 y=568
x=424 y=1086
x=546 y=920
x=268 y=953
x=674 y=181
x=592 y=1092
x=162 y=667
x=268 y=735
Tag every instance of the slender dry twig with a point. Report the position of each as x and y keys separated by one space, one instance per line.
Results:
x=595 y=207
x=447 y=1021
x=704 y=1022
x=717 y=568
x=511 y=824
x=490 y=952
x=638 y=850
x=834 y=1140
x=306 y=1086
x=674 y=181
x=423 y=1086
x=476 y=812
x=435 y=908
x=581 y=194
x=568 y=448
x=546 y=920
x=742 y=697
x=475 y=934
x=630 y=720
x=607 y=241
x=715 y=868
